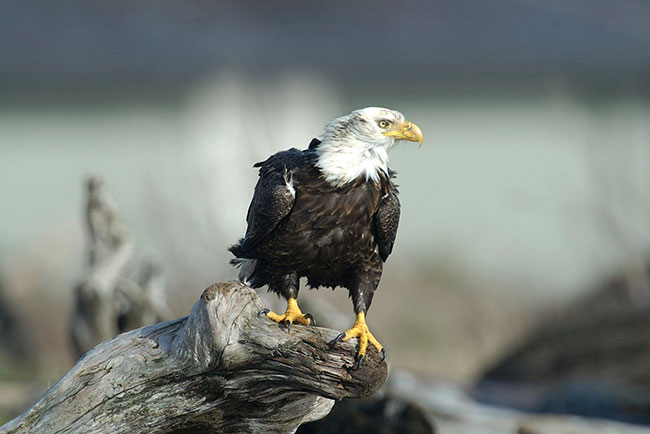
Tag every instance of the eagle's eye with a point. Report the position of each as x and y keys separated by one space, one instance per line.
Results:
x=383 y=124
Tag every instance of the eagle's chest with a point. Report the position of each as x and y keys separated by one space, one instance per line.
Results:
x=332 y=225
x=344 y=208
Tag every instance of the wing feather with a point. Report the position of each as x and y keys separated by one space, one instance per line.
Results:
x=386 y=222
x=273 y=199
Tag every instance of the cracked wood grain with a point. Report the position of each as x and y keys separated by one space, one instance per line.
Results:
x=221 y=369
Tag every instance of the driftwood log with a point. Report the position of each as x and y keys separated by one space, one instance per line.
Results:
x=591 y=359
x=453 y=411
x=221 y=369
x=109 y=300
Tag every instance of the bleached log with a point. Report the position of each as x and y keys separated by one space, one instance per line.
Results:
x=223 y=368
x=453 y=411
x=108 y=300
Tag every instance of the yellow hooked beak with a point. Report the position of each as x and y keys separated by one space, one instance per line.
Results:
x=405 y=131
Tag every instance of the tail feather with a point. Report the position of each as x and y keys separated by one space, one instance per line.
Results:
x=246 y=269
x=238 y=250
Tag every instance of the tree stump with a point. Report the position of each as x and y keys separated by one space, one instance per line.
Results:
x=223 y=368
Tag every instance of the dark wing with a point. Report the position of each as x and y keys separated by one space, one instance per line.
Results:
x=386 y=222
x=274 y=196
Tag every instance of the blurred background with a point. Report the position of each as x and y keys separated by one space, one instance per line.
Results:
x=526 y=210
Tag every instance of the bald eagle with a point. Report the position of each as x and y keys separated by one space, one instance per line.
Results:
x=328 y=213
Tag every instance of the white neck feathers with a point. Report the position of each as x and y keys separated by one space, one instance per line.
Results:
x=341 y=162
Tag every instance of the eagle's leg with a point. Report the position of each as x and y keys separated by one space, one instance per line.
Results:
x=288 y=288
x=362 y=291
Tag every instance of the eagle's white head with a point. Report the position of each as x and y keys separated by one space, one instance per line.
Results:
x=357 y=144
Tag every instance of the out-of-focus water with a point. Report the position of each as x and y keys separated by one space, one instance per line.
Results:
x=545 y=190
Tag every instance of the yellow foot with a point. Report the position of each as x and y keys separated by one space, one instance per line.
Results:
x=293 y=315
x=360 y=330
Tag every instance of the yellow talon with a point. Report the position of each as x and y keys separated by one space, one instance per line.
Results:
x=360 y=330
x=293 y=315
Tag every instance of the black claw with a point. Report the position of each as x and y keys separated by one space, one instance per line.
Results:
x=263 y=312
x=383 y=354
x=358 y=359
x=336 y=340
x=310 y=317
x=288 y=323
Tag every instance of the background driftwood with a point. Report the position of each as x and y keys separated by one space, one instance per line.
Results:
x=591 y=359
x=15 y=343
x=109 y=300
x=221 y=369
x=453 y=411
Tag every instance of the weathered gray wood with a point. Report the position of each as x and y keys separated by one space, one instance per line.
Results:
x=221 y=369
x=453 y=411
x=108 y=300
